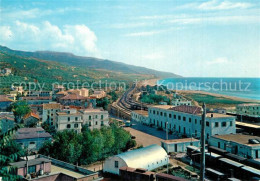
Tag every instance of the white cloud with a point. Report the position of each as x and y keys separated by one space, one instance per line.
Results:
x=220 y=60
x=46 y=36
x=224 y=5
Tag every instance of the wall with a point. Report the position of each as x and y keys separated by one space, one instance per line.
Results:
x=109 y=165
x=181 y=147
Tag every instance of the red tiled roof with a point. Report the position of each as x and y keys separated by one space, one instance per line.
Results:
x=187 y=109
x=4 y=98
x=31 y=114
x=73 y=97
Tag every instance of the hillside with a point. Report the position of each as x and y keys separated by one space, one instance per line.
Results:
x=88 y=62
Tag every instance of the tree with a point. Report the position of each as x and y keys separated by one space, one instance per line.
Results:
x=103 y=102
x=10 y=151
x=49 y=128
x=20 y=108
x=114 y=95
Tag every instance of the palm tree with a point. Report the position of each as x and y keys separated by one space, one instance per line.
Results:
x=10 y=151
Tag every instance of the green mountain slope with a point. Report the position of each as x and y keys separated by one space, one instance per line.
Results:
x=89 y=62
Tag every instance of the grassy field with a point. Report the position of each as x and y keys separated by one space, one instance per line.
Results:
x=213 y=101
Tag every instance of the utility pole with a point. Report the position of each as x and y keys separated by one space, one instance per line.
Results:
x=202 y=142
x=167 y=130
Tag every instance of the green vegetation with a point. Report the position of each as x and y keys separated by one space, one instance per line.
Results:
x=213 y=101
x=10 y=151
x=20 y=108
x=88 y=146
x=154 y=99
x=103 y=102
x=113 y=95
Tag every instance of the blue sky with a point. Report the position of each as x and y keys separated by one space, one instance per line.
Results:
x=209 y=38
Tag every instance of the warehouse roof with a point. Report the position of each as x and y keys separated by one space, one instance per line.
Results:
x=142 y=157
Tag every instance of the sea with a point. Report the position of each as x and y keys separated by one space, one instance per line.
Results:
x=248 y=88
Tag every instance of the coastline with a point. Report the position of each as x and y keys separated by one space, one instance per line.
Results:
x=218 y=95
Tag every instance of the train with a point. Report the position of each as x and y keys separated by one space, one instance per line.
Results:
x=222 y=165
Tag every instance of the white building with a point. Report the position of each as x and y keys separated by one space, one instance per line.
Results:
x=150 y=157
x=49 y=112
x=179 y=145
x=248 y=109
x=179 y=102
x=95 y=118
x=243 y=145
x=140 y=116
x=69 y=119
x=186 y=120
x=99 y=94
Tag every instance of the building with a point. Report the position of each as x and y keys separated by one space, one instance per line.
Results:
x=68 y=119
x=39 y=94
x=37 y=100
x=32 y=138
x=136 y=174
x=95 y=118
x=149 y=158
x=5 y=102
x=99 y=94
x=42 y=168
x=6 y=71
x=179 y=145
x=248 y=110
x=243 y=145
x=6 y=122
x=73 y=100
x=140 y=116
x=31 y=119
x=49 y=112
x=186 y=120
x=180 y=102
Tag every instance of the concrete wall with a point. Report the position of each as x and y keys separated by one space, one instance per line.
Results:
x=38 y=143
x=109 y=165
x=94 y=119
x=46 y=167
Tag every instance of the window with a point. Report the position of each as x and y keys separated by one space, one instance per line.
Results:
x=154 y=112
x=76 y=125
x=76 y=118
x=165 y=114
x=96 y=116
x=184 y=118
x=170 y=115
x=179 y=117
x=102 y=116
x=216 y=124
x=190 y=120
x=116 y=164
x=161 y=113
x=231 y=123
x=89 y=123
x=32 y=169
x=32 y=143
x=195 y=121
x=224 y=124
x=68 y=118
x=174 y=116
x=68 y=125
x=102 y=123
x=207 y=123
x=96 y=122
x=89 y=117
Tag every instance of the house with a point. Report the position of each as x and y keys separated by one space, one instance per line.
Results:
x=67 y=119
x=43 y=168
x=6 y=121
x=186 y=120
x=37 y=100
x=179 y=102
x=149 y=158
x=31 y=119
x=140 y=116
x=99 y=94
x=73 y=99
x=39 y=94
x=95 y=118
x=6 y=71
x=49 y=112
x=136 y=174
x=247 y=146
x=5 y=102
x=248 y=110
x=32 y=138
x=179 y=145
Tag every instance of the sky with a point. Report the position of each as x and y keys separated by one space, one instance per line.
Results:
x=192 y=38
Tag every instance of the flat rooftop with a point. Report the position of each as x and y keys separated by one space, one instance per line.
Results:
x=183 y=140
x=217 y=115
x=142 y=112
x=238 y=138
x=162 y=106
x=58 y=169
